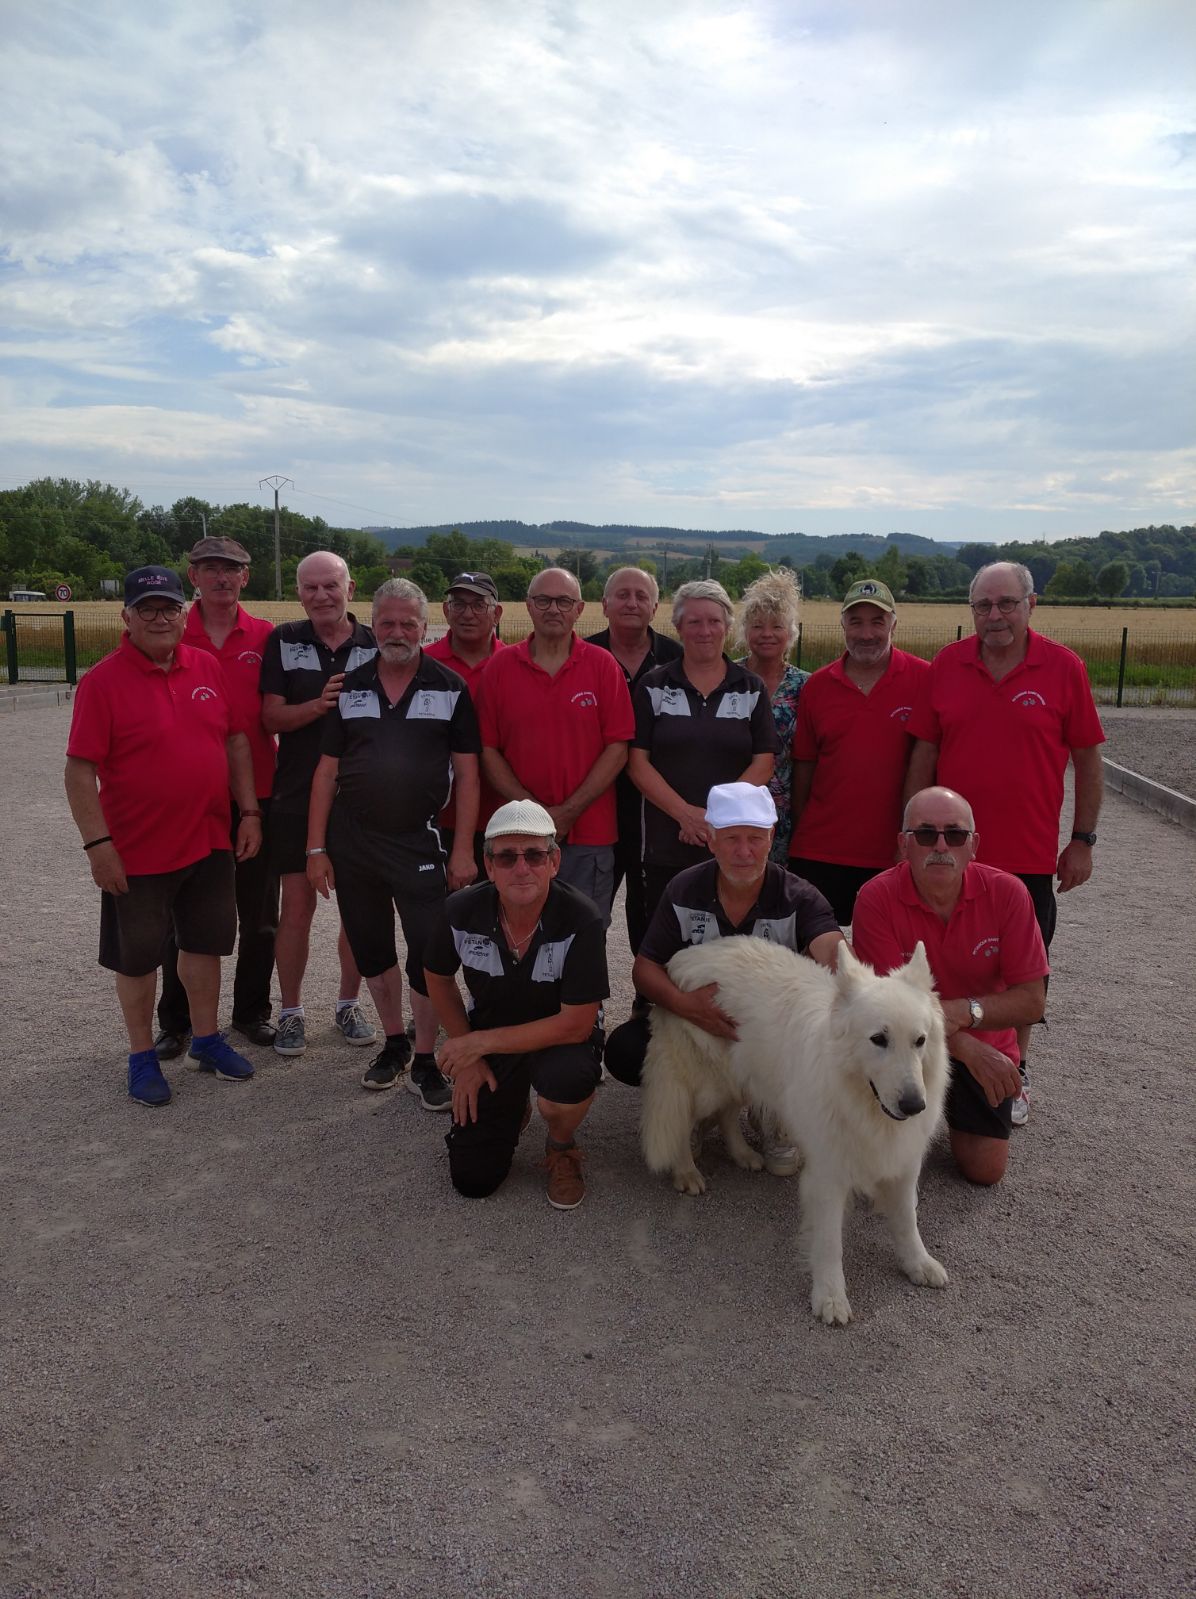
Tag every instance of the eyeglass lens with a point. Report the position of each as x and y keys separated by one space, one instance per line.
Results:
x=1005 y=606
x=151 y=613
x=511 y=857
x=954 y=836
x=563 y=602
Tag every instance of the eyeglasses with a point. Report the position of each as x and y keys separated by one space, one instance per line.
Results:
x=1005 y=606
x=510 y=858
x=473 y=607
x=928 y=837
x=546 y=602
x=151 y=613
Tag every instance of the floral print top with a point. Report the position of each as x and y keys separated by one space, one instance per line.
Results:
x=780 y=784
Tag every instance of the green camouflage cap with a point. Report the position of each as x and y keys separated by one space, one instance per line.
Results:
x=869 y=591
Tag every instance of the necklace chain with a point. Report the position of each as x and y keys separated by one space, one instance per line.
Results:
x=515 y=943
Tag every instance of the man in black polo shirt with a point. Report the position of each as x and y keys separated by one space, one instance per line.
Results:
x=534 y=954
x=738 y=893
x=402 y=734
x=303 y=667
x=629 y=603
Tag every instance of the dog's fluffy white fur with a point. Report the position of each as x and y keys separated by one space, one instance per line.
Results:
x=854 y=1065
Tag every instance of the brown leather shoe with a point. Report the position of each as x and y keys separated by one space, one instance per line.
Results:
x=566 y=1186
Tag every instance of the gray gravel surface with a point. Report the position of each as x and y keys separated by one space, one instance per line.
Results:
x=255 y=1345
x=1159 y=744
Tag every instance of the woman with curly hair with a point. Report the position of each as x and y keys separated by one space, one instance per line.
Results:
x=768 y=627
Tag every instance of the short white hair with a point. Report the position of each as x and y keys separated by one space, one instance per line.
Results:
x=653 y=585
x=1022 y=574
x=400 y=588
x=705 y=588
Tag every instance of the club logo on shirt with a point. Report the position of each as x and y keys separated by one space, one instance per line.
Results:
x=737 y=706
x=358 y=656
x=478 y=952
x=433 y=705
x=357 y=702
x=250 y=658
x=586 y=699
x=203 y=692
x=988 y=947
x=550 y=961
x=1028 y=697
x=669 y=701
x=697 y=927
x=299 y=657
x=900 y=713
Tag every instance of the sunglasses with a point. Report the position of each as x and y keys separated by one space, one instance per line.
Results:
x=928 y=837
x=510 y=858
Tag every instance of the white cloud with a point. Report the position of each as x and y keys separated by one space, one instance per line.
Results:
x=599 y=259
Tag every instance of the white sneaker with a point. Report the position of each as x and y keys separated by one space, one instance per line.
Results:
x=781 y=1156
x=1020 y=1109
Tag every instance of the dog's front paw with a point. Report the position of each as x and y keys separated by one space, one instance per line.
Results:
x=927 y=1273
x=830 y=1307
x=689 y=1182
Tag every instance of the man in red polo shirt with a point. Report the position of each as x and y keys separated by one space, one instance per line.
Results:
x=850 y=749
x=153 y=750
x=219 y=624
x=472 y=611
x=997 y=717
x=988 y=959
x=556 y=719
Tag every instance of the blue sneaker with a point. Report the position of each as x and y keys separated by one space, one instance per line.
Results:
x=216 y=1054
x=147 y=1085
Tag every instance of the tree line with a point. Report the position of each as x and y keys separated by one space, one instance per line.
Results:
x=89 y=534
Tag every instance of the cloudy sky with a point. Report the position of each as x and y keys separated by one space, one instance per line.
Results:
x=824 y=265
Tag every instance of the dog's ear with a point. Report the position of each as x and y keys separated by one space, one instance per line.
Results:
x=849 y=966
x=917 y=968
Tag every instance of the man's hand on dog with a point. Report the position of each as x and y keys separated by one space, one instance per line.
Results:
x=700 y=1009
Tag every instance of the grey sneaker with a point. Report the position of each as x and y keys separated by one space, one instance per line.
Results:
x=781 y=1156
x=352 y=1025
x=291 y=1038
x=1020 y=1110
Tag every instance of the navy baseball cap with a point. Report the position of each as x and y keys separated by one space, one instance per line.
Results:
x=153 y=583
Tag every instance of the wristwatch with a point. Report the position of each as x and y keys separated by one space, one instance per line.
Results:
x=976 y=1012
x=1084 y=838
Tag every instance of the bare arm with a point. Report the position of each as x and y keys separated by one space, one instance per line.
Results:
x=82 y=783
x=690 y=818
x=825 y=950
x=240 y=782
x=758 y=770
x=1075 y=863
x=323 y=788
x=462 y=868
x=595 y=783
x=1018 y=1006
x=803 y=782
x=279 y=717
x=498 y=773
x=923 y=763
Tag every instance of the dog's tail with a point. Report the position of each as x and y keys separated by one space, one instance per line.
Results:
x=666 y=1107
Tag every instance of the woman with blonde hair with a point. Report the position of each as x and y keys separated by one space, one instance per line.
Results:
x=768 y=621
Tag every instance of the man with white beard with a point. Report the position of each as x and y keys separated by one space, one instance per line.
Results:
x=402 y=733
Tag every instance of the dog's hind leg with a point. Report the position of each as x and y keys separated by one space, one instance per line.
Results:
x=898 y=1202
x=823 y=1199
x=737 y=1146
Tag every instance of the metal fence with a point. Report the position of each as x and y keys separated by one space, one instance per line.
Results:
x=1126 y=666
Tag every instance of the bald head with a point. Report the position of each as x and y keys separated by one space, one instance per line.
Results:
x=930 y=805
x=550 y=581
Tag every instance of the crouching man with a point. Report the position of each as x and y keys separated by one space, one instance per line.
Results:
x=534 y=957
x=987 y=956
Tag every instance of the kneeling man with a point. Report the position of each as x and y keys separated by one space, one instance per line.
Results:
x=534 y=954
x=987 y=956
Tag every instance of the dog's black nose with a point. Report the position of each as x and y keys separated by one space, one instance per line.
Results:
x=911 y=1102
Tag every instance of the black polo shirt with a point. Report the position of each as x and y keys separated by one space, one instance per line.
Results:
x=788 y=911
x=628 y=806
x=295 y=665
x=695 y=741
x=565 y=963
x=395 y=771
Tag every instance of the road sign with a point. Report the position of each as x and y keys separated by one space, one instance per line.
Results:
x=63 y=591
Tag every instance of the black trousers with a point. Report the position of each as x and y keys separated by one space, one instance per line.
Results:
x=257 y=922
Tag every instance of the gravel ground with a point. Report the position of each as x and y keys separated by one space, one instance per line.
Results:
x=1159 y=744
x=255 y=1345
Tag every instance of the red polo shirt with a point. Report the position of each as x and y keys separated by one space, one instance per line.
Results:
x=158 y=739
x=861 y=746
x=1005 y=746
x=989 y=943
x=442 y=650
x=240 y=657
x=551 y=729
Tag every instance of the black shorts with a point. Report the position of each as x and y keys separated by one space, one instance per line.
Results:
x=1042 y=891
x=839 y=885
x=197 y=903
x=286 y=843
x=968 y=1111
x=480 y=1152
x=377 y=873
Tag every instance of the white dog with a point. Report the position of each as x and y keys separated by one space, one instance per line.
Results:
x=854 y=1065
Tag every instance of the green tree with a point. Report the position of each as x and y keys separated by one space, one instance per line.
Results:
x=1112 y=579
x=848 y=569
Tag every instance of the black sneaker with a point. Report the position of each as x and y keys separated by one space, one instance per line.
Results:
x=169 y=1046
x=386 y=1068
x=426 y=1080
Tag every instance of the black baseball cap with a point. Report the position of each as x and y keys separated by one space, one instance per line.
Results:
x=476 y=583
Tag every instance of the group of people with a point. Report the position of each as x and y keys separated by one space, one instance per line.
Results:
x=224 y=773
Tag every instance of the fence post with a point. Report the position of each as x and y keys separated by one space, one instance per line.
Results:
x=1125 y=633
x=68 y=647
x=959 y=632
x=10 y=645
x=797 y=649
